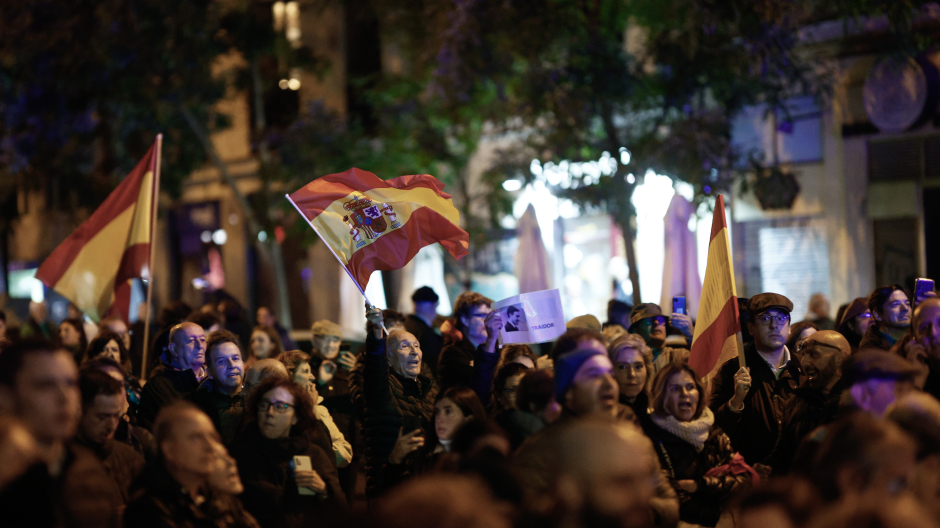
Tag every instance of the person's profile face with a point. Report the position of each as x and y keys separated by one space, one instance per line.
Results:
x=404 y=354
x=820 y=363
x=190 y=346
x=68 y=335
x=448 y=417
x=224 y=476
x=862 y=322
x=190 y=446
x=327 y=345
x=896 y=311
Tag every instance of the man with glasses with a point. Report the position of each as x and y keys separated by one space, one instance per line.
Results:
x=817 y=399
x=750 y=403
x=474 y=321
x=891 y=310
x=647 y=321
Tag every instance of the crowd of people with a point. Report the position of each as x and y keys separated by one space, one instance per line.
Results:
x=433 y=422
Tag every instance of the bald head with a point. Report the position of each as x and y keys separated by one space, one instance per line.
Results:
x=187 y=347
x=404 y=353
x=823 y=355
x=264 y=368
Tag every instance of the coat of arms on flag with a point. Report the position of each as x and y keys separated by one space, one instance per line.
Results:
x=367 y=218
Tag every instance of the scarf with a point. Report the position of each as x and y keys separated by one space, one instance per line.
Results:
x=694 y=432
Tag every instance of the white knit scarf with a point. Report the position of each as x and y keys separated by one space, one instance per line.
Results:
x=694 y=432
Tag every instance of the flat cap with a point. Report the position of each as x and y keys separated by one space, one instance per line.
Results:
x=876 y=364
x=585 y=321
x=762 y=302
x=644 y=311
x=326 y=328
x=424 y=294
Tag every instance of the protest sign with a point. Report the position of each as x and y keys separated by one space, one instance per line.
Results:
x=533 y=317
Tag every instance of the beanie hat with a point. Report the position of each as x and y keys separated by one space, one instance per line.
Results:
x=566 y=366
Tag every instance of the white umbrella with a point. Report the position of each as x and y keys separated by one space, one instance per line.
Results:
x=680 y=265
x=533 y=267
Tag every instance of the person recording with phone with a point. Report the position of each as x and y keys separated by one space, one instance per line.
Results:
x=647 y=321
x=286 y=475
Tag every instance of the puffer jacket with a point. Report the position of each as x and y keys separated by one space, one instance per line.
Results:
x=681 y=461
x=271 y=494
x=391 y=403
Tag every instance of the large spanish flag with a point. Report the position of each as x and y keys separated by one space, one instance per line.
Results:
x=716 y=330
x=371 y=224
x=93 y=267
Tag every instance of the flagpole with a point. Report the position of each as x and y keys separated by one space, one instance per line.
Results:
x=155 y=200
x=309 y=223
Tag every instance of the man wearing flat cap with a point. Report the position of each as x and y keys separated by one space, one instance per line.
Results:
x=421 y=325
x=751 y=403
x=647 y=321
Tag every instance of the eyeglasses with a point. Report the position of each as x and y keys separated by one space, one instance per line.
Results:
x=778 y=319
x=279 y=406
x=658 y=320
x=509 y=390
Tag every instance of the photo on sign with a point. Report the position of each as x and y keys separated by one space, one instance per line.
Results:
x=515 y=318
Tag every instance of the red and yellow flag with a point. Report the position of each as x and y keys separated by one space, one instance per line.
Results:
x=371 y=224
x=716 y=330
x=94 y=265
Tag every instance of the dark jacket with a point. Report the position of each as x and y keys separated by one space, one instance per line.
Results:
x=463 y=364
x=26 y=502
x=431 y=342
x=754 y=432
x=84 y=494
x=640 y=407
x=137 y=437
x=225 y=411
x=163 y=389
x=811 y=409
x=681 y=461
x=875 y=339
x=391 y=403
x=158 y=501
x=121 y=462
x=271 y=494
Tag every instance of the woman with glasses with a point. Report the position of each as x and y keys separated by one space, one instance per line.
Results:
x=279 y=426
x=697 y=456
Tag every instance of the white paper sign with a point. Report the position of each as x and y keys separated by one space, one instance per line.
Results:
x=534 y=317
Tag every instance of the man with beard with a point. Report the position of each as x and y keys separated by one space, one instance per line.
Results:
x=891 y=310
x=647 y=321
x=750 y=403
x=816 y=401
x=221 y=396
x=599 y=475
x=184 y=367
x=103 y=406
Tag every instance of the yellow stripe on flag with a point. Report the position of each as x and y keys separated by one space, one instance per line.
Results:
x=718 y=285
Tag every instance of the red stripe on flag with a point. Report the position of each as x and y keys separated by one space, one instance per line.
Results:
x=132 y=262
x=121 y=305
x=123 y=196
x=707 y=347
x=718 y=221
x=393 y=250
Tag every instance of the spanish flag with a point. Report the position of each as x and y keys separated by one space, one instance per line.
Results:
x=717 y=330
x=371 y=224
x=93 y=267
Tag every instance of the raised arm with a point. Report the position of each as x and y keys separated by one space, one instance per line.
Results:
x=375 y=363
x=485 y=358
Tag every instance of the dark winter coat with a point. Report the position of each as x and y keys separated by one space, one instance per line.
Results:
x=681 y=461
x=755 y=431
x=811 y=409
x=121 y=462
x=163 y=389
x=431 y=342
x=226 y=412
x=271 y=494
x=159 y=501
x=463 y=364
x=391 y=403
x=875 y=339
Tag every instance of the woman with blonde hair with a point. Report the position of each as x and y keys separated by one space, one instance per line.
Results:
x=633 y=370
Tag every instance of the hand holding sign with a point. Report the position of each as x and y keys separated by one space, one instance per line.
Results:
x=531 y=317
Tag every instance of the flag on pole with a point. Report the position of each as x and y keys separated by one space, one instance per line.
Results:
x=717 y=328
x=371 y=224
x=93 y=267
